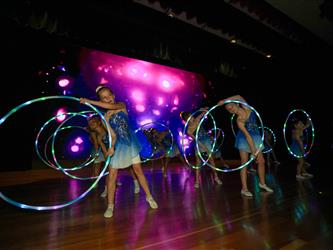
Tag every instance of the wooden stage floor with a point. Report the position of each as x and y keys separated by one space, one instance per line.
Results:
x=298 y=215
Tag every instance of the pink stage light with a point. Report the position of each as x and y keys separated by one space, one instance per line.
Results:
x=63 y=82
x=75 y=148
x=145 y=121
x=103 y=81
x=156 y=112
x=140 y=108
x=160 y=101
x=60 y=116
x=138 y=95
x=78 y=140
x=176 y=100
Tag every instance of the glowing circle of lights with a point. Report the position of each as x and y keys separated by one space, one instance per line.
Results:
x=57 y=206
x=86 y=163
x=307 y=149
x=252 y=156
x=45 y=160
x=204 y=162
x=55 y=158
x=59 y=167
x=153 y=146
x=265 y=151
x=65 y=171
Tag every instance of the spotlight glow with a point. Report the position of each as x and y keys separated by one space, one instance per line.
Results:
x=140 y=108
x=78 y=140
x=63 y=82
x=75 y=148
x=61 y=115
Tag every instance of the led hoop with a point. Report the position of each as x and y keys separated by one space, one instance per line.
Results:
x=153 y=152
x=58 y=206
x=54 y=166
x=274 y=141
x=45 y=160
x=55 y=159
x=196 y=139
x=284 y=133
x=82 y=165
x=262 y=136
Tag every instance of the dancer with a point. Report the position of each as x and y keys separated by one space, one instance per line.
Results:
x=248 y=140
x=98 y=136
x=297 y=148
x=127 y=145
x=204 y=143
x=170 y=151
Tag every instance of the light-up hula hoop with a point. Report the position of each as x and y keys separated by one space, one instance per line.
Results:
x=55 y=158
x=308 y=148
x=57 y=206
x=274 y=141
x=86 y=163
x=204 y=162
x=54 y=166
x=45 y=159
x=252 y=156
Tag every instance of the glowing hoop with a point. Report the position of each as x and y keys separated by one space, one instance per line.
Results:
x=262 y=136
x=58 y=206
x=308 y=148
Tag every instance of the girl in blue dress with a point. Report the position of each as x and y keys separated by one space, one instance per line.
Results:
x=248 y=141
x=204 y=143
x=126 y=147
x=163 y=142
x=99 y=137
x=297 y=148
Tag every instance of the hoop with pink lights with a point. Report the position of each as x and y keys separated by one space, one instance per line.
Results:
x=307 y=148
x=57 y=206
x=252 y=156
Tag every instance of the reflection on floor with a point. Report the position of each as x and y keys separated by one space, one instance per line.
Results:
x=298 y=215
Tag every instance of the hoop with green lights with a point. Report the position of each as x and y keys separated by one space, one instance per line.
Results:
x=307 y=148
x=62 y=205
x=252 y=157
x=214 y=129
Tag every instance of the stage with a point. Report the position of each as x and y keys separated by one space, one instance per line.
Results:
x=298 y=215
